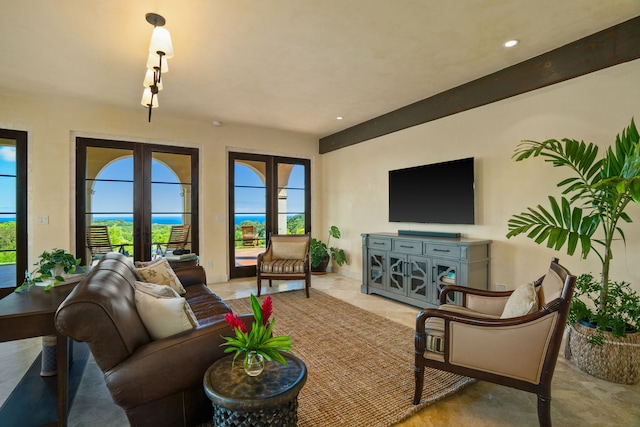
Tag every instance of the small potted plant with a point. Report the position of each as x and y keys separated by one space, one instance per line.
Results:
x=322 y=253
x=51 y=265
x=257 y=343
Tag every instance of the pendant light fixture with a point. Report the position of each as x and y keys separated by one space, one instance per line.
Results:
x=160 y=49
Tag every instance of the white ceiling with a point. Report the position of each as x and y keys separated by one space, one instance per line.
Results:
x=288 y=64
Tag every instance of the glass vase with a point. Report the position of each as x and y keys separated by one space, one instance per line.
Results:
x=253 y=363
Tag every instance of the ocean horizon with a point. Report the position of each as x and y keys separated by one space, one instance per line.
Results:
x=172 y=219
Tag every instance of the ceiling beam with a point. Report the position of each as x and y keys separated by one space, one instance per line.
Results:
x=613 y=46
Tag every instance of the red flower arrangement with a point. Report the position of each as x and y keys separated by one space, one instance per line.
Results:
x=260 y=338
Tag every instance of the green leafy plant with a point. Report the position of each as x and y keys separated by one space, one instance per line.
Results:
x=319 y=249
x=597 y=194
x=623 y=307
x=46 y=268
x=260 y=337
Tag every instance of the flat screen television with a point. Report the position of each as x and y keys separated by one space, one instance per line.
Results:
x=439 y=193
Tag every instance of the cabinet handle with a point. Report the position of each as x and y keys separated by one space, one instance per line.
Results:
x=378 y=243
x=441 y=250
x=407 y=247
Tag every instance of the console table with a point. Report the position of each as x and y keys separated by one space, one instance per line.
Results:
x=414 y=269
x=31 y=314
x=269 y=399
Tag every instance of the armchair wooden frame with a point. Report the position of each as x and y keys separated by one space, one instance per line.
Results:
x=296 y=251
x=549 y=320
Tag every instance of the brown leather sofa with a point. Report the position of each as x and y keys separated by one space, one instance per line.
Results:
x=157 y=383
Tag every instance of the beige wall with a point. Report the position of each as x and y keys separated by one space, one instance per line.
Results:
x=349 y=186
x=53 y=124
x=593 y=108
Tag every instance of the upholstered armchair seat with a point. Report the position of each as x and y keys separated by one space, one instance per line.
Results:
x=286 y=258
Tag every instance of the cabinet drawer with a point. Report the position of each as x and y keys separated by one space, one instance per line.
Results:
x=438 y=250
x=407 y=247
x=377 y=243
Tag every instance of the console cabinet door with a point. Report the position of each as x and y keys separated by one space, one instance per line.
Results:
x=419 y=279
x=445 y=272
x=397 y=274
x=376 y=269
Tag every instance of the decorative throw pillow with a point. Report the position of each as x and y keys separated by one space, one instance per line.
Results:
x=163 y=316
x=155 y=290
x=161 y=273
x=523 y=300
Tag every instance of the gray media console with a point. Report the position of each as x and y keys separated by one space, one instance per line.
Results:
x=414 y=269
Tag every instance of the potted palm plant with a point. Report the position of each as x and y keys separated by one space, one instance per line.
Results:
x=322 y=253
x=588 y=218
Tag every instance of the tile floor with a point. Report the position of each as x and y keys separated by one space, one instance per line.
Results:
x=578 y=399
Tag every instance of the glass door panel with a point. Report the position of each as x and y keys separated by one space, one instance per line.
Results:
x=110 y=195
x=249 y=212
x=171 y=194
x=291 y=198
x=8 y=213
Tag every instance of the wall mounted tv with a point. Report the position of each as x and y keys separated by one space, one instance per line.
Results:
x=439 y=193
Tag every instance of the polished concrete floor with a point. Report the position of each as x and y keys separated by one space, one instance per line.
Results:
x=578 y=399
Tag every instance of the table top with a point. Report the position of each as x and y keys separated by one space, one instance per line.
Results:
x=231 y=388
x=37 y=300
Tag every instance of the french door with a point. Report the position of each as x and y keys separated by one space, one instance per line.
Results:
x=13 y=209
x=267 y=195
x=138 y=191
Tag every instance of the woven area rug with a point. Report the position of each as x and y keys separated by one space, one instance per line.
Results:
x=359 y=364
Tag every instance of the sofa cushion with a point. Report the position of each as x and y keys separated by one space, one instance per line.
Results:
x=163 y=316
x=157 y=291
x=523 y=301
x=161 y=273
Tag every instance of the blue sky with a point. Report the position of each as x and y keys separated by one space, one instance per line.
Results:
x=8 y=184
x=252 y=200
x=118 y=196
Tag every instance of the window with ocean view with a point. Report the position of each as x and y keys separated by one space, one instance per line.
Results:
x=138 y=191
x=13 y=208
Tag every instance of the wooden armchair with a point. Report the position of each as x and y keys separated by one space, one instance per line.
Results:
x=480 y=339
x=286 y=258
x=178 y=239
x=249 y=237
x=99 y=243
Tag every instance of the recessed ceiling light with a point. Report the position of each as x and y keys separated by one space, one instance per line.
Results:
x=217 y=123
x=511 y=43
x=339 y=118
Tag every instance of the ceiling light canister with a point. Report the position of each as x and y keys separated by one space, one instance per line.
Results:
x=511 y=43
x=161 y=42
x=149 y=80
x=148 y=98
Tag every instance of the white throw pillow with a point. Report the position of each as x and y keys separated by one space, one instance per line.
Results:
x=523 y=300
x=164 y=316
x=157 y=291
x=161 y=273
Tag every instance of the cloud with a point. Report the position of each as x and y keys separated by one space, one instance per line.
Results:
x=8 y=154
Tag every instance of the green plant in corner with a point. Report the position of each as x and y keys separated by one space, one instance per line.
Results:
x=597 y=194
x=319 y=249
x=50 y=266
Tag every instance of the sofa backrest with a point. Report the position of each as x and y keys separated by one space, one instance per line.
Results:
x=101 y=311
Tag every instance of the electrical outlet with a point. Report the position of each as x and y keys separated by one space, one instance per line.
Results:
x=500 y=287
x=210 y=264
x=42 y=219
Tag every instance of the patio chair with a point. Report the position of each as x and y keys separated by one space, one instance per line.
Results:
x=99 y=243
x=178 y=239
x=509 y=338
x=286 y=258
x=249 y=237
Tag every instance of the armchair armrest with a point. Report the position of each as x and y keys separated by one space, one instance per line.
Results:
x=482 y=301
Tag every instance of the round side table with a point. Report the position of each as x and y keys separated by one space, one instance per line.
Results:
x=270 y=399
